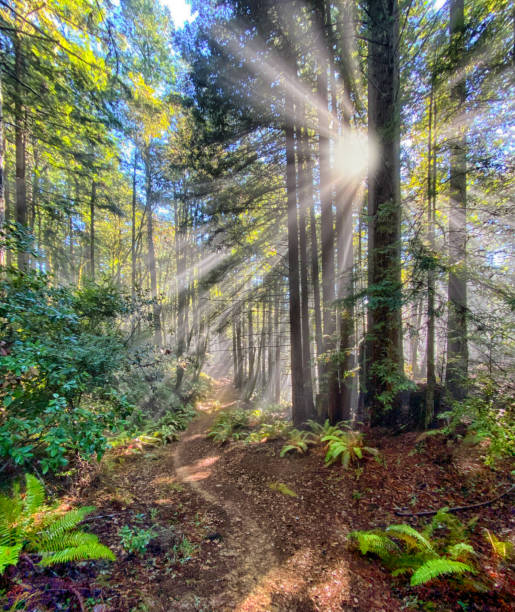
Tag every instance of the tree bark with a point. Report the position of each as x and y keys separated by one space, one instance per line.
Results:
x=303 y=248
x=278 y=338
x=297 y=375
x=133 y=228
x=92 y=204
x=457 y=346
x=384 y=354
x=431 y=210
x=20 y=144
x=156 y=308
x=2 y=177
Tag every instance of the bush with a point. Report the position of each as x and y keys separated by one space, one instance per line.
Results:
x=488 y=414
x=232 y=424
x=59 y=354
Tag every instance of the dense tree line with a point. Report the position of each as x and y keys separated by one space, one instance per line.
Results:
x=313 y=195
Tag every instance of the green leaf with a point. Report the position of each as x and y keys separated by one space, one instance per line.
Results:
x=435 y=568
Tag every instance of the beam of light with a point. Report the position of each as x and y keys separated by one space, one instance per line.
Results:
x=355 y=155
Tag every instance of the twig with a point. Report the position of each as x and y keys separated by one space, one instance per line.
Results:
x=458 y=508
x=95 y=518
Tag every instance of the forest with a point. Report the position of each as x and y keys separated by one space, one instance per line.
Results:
x=256 y=305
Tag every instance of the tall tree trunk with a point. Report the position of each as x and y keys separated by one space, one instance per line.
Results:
x=133 y=227
x=234 y=353
x=315 y=278
x=156 y=307
x=297 y=375
x=92 y=204
x=346 y=361
x=457 y=346
x=384 y=355
x=251 y=342
x=278 y=339
x=2 y=177
x=20 y=144
x=239 y=352
x=329 y=383
x=8 y=207
x=182 y=293
x=303 y=249
x=431 y=210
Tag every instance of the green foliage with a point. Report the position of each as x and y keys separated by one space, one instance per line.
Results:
x=346 y=446
x=489 y=415
x=298 y=442
x=280 y=487
x=229 y=425
x=405 y=550
x=28 y=526
x=392 y=381
x=141 y=428
x=500 y=548
x=269 y=431
x=61 y=352
x=135 y=540
x=326 y=429
x=434 y=568
x=184 y=550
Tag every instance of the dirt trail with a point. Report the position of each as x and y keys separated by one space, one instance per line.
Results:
x=245 y=542
x=281 y=548
x=228 y=539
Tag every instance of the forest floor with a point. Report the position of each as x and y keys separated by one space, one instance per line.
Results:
x=225 y=538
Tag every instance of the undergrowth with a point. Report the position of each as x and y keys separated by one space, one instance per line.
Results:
x=440 y=549
x=29 y=527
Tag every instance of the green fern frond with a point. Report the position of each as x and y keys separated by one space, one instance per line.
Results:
x=435 y=568
x=410 y=561
x=65 y=540
x=460 y=550
x=411 y=536
x=9 y=556
x=34 y=495
x=6 y=532
x=11 y=508
x=66 y=522
x=375 y=543
x=402 y=570
x=78 y=553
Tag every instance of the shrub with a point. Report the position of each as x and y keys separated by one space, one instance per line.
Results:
x=229 y=425
x=60 y=352
x=488 y=414
x=135 y=540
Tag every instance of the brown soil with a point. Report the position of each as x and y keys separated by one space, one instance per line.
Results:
x=257 y=549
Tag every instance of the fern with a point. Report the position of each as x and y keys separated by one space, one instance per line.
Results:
x=417 y=554
x=9 y=555
x=298 y=441
x=346 y=446
x=374 y=542
x=462 y=550
x=78 y=553
x=71 y=519
x=434 y=568
x=34 y=495
x=26 y=524
x=411 y=536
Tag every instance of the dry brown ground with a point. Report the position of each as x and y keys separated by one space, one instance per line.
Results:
x=256 y=549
